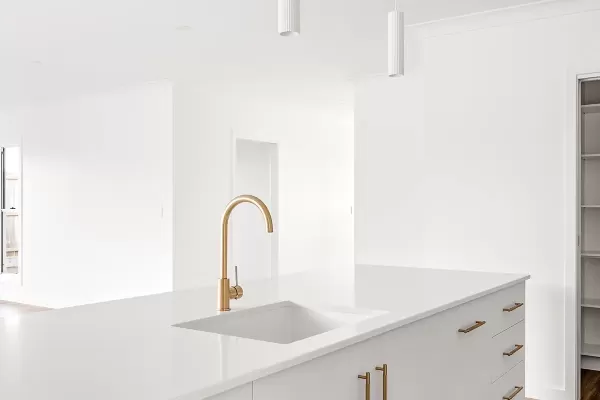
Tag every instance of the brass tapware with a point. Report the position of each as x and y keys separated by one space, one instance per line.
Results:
x=227 y=292
x=513 y=308
x=513 y=351
x=367 y=378
x=384 y=369
x=514 y=393
x=478 y=324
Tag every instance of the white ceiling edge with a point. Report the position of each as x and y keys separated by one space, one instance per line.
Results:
x=506 y=16
x=344 y=42
x=483 y=13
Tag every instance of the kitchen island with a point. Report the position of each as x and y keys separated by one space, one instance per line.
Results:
x=466 y=326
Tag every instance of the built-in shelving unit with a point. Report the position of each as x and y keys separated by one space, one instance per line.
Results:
x=592 y=350
x=590 y=108
x=590 y=303
x=589 y=223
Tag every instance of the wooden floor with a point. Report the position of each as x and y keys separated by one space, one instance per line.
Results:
x=13 y=309
x=590 y=385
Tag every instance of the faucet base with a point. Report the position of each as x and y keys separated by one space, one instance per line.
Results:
x=223 y=295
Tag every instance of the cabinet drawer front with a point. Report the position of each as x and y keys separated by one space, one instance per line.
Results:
x=491 y=309
x=509 y=308
x=507 y=350
x=511 y=386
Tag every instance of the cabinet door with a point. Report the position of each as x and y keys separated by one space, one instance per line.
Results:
x=431 y=360
x=334 y=376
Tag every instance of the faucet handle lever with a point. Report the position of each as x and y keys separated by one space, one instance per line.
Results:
x=237 y=291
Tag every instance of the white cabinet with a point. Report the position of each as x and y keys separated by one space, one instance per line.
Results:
x=454 y=355
x=511 y=386
x=431 y=359
x=239 y=393
x=508 y=350
x=334 y=376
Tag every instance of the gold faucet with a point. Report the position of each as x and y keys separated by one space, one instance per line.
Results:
x=227 y=292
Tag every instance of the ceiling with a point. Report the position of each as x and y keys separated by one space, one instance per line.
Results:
x=52 y=47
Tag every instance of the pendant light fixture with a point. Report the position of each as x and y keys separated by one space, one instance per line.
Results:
x=395 y=42
x=289 y=17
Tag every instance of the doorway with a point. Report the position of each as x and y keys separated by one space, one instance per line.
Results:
x=588 y=235
x=256 y=170
x=10 y=210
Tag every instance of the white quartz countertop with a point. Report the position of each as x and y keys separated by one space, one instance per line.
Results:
x=128 y=349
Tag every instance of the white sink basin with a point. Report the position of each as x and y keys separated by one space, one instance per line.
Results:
x=284 y=322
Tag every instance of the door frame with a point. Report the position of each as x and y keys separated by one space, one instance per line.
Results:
x=274 y=209
x=573 y=290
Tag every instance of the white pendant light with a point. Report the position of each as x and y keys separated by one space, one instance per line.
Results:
x=289 y=17
x=395 y=43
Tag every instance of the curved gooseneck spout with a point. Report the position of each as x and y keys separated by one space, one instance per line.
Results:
x=226 y=292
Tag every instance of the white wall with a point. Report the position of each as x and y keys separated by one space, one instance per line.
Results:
x=468 y=162
x=97 y=197
x=312 y=124
x=81 y=147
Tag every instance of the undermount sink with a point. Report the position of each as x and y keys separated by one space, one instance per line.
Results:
x=284 y=322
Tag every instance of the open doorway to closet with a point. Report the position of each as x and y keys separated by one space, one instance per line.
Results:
x=256 y=172
x=588 y=238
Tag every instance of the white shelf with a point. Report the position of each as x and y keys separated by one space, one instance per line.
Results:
x=591 y=206
x=590 y=108
x=591 y=303
x=591 y=363
x=590 y=254
x=590 y=350
x=590 y=156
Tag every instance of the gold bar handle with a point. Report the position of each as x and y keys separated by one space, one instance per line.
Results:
x=513 y=351
x=478 y=324
x=384 y=369
x=367 y=378
x=513 y=308
x=513 y=394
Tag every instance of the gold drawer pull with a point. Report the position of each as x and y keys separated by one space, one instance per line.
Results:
x=367 y=378
x=478 y=324
x=384 y=369
x=513 y=394
x=513 y=351
x=513 y=308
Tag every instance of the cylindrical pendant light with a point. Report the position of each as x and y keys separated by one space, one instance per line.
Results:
x=395 y=43
x=289 y=17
